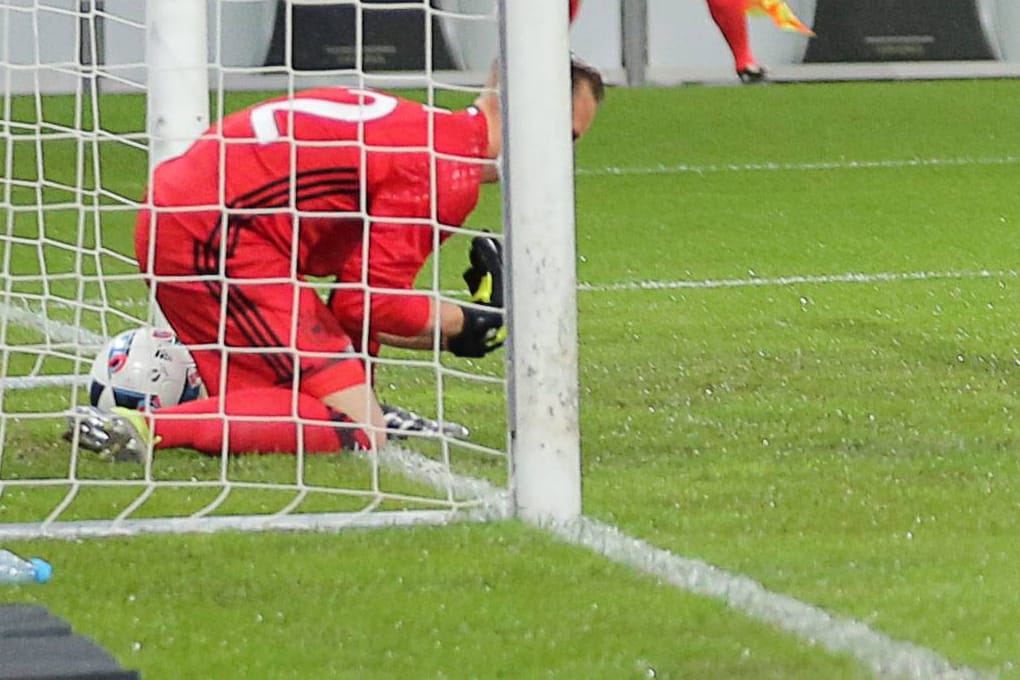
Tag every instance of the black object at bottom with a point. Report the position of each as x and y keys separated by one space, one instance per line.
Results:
x=29 y=620
x=36 y=645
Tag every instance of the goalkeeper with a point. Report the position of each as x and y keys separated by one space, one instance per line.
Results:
x=331 y=182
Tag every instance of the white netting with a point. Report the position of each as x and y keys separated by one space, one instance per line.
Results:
x=75 y=157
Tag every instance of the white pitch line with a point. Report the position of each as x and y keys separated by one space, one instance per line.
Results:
x=883 y=656
x=55 y=330
x=31 y=318
x=36 y=381
x=847 y=277
x=850 y=277
x=413 y=465
x=684 y=169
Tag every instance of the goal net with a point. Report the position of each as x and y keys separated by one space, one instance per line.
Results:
x=93 y=93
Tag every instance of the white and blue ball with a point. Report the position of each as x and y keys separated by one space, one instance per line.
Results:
x=145 y=368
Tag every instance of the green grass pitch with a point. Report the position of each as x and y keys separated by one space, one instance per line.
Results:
x=799 y=362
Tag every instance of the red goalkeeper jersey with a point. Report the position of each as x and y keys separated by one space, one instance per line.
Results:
x=314 y=173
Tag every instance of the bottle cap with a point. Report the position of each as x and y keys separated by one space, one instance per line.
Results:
x=43 y=570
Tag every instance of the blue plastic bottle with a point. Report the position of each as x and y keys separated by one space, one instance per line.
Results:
x=14 y=569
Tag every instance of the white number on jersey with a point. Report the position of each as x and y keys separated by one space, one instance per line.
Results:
x=374 y=106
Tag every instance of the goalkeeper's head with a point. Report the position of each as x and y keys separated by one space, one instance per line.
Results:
x=589 y=90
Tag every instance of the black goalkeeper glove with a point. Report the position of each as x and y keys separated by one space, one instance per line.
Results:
x=484 y=278
x=483 y=332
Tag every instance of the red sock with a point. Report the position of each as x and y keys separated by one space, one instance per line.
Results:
x=206 y=433
x=731 y=18
x=575 y=7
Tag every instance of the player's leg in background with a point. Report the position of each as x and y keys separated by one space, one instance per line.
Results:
x=575 y=7
x=731 y=18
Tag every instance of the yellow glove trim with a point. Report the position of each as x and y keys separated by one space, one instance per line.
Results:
x=500 y=336
x=483 y=294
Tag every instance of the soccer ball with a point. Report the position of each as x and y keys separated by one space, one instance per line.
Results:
x=146 y=368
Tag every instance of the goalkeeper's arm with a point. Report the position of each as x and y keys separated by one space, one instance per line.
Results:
x=466 y=331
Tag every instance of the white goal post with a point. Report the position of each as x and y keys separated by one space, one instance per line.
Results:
x=538 y=199
x=93 y=94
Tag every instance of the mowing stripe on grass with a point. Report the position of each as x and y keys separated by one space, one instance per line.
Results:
x=883 y=656
x=62 y=332
x=770 y=166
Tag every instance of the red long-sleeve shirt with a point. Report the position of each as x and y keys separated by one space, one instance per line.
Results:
x=322 y=166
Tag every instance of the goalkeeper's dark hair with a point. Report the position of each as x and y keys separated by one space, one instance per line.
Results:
x=583 y=72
